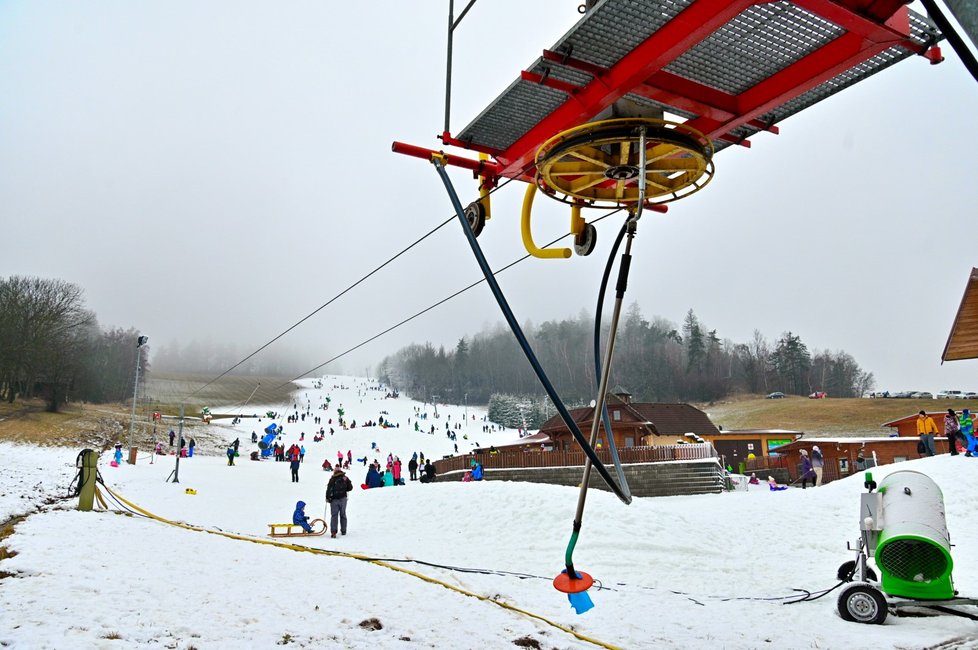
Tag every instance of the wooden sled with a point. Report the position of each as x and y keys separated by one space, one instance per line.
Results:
x=295 y=530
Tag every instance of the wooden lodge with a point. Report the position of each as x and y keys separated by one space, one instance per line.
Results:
x=906 y=427
x=844 y=456
x=736 y=447
x=635 y=424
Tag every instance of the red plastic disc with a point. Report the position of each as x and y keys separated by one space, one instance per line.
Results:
x=570 y=585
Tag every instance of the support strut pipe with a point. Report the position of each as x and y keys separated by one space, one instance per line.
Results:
x=531 y=247
x=485 y=168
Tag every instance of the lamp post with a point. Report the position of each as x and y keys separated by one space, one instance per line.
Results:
x=140 y=342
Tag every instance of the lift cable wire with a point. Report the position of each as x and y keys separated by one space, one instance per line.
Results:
x=352 y=286
x=437 y=304
x=328 y=302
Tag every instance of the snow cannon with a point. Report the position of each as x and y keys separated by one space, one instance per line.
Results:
x=903 y=528
x=913 y=551
x=265 y=444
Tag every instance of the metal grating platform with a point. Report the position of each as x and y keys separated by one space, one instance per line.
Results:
x=748 y=49
x=757 y=43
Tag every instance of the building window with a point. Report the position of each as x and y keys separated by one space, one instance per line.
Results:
x=629 y=441
x=899 y=459
x=843 y=465
x=616 y=416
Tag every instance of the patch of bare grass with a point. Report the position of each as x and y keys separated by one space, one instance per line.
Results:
x=832 y=416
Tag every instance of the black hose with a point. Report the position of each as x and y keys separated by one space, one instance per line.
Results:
x=957 y=43
x=524 y=344
x=597 y=352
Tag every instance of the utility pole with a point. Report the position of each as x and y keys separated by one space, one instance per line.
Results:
x=175 y=474
x=140 y=342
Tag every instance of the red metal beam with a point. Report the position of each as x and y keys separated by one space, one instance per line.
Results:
x=825 y=63
x=688 y=28
x=894 y=30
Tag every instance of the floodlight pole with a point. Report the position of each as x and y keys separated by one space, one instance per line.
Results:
x=175 y=474
x=140 y=342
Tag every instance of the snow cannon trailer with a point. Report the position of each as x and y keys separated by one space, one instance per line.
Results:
x=903 y=527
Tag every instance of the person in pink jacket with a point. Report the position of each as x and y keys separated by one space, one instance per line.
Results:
x=397 y=471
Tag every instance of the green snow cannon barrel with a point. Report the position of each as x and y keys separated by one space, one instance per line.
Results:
x=913 y=552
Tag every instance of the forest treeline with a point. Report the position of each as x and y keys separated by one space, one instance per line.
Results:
x=655 y=360
x=52 y=347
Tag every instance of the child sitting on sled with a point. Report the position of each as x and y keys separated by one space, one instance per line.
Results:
x=299 y=517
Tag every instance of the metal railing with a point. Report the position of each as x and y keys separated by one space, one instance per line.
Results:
x=573 y=458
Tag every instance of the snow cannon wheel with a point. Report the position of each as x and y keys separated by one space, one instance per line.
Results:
x=568 y=585
x=848 y=569
x=862 y=603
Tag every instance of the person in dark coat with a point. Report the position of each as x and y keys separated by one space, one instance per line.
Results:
x=294 y=461
x=230 y=456
x=413 y=468
x=337 y=489
x=172 y=436
x=807 y=471
x=374 y=479
x=429 y=473
x=299 y=516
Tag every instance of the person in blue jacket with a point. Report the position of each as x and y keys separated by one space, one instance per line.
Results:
x=476 y=470
x=373 y=478
x=299 y=517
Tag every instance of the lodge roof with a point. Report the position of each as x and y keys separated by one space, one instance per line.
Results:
x=582 y=417
x=662 y=419
x=804 y=442
x=908 y=418
x=761 y=432
x=962 y=342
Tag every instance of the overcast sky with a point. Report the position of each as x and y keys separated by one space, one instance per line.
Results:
x=217 y=170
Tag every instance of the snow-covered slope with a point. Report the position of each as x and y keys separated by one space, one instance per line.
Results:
x=679 y=572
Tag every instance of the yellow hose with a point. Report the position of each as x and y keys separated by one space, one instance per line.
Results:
x=531 y=248
x=355 y=556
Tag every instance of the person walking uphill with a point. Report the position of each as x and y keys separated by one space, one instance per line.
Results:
x=926 y=428
x=337 y=489
x=294 y=461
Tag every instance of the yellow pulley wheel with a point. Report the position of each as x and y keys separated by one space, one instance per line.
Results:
x=598 y=163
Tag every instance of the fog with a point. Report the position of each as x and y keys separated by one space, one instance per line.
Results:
x=216 y=171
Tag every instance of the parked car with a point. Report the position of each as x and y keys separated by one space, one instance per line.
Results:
x=903 y=394
x=950 y=394
x=776 y=395
x=922 y=395
x=970 y=395
x=819 y=394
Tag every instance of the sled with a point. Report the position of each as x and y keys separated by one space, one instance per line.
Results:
x=295 y=530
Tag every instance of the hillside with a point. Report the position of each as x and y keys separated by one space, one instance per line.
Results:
x=837 y=417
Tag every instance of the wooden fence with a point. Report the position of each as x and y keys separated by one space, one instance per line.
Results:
x=575 y=458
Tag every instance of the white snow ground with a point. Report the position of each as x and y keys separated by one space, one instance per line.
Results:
x=105 y=580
